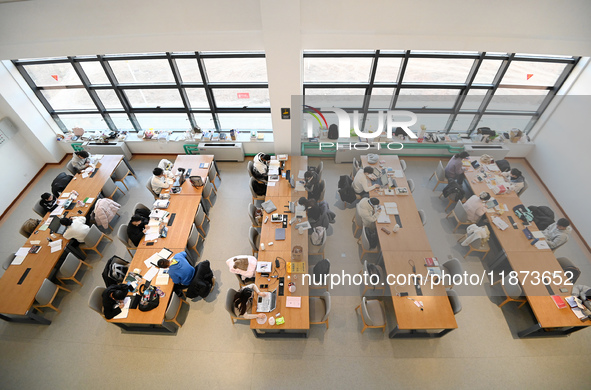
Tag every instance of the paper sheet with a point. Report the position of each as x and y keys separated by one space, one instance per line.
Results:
x=301 y=174
x=162 y=278
x=537 y=234
x=22 y=251
x=125 y=310
x=65 y=194
x=271 y=184
x=398 y=173
x=165 y=253
x=55 y=245
x=57 y=211
x=152 y=236
x=542 y=244
x=35 y=242
x=18 y=260
x=84 y=176
x=153 y=271
x=391 y=208
x=152 y=260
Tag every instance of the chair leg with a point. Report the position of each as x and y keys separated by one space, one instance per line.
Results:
x=432 y=176
x=457 y=226
x=86 y=264
x=485 y=253
x=128 y=251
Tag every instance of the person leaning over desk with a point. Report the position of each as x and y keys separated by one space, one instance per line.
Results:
x=180 y=271
x=242 y=305
x=113 y=298
x=475 y=206
x=48 y=202
x=136 y=229
x=557 y=233
x=80 y=160
x=158 y=181
x=368 y=211
x=244 y=266
x=362 y=184
x=454 y=169
x=77 y=228
x=312 y=185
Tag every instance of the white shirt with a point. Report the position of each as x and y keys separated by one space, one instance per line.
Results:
x=77 y=230
x=367 y=212
x=158 y=184
x=361 y=183
x=475 y=208
x=259 y=165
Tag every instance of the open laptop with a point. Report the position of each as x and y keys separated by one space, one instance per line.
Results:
x=382 y=180
x=267 y=304
x=56 y=227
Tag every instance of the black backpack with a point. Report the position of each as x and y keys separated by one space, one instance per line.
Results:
x=503 y=165
x=372 y=237
x=346 y=191
x=333 y=131
x=453 y=191
x=60 y=183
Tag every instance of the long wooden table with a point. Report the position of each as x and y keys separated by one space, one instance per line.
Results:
x=184 y=205
x=297 y=320
x=410 y=243
x=525 y=258
x=20 y=283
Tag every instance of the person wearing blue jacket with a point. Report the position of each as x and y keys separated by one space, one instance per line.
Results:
x=180 y=271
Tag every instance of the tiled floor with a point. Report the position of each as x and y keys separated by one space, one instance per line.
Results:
x=80 y=350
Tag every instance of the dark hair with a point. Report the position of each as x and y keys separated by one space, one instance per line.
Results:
x=516 y=172
x=265 y=157
x=136 y=218
x=313 y=213
x=66 y=221
x=163 y=263
x=463 y=154
x=308 y=174
x=83 y=154
x=158 y=171
x=119 y=294
x=563 y=222
x=45 y=195
x=368 y=170
x=484 y=196
x=241 y=299
x=303 y=201
x=374 y=201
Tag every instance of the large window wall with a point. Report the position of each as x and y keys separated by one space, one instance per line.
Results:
x=452 y=92
x=160 y=91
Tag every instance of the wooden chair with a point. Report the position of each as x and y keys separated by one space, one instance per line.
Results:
x=255 y=197
x=122 y=236
x=70 y=268
x=381 y=283
x=320 y=309
x=46 y=295
x=320 y=274
x=200 y=220
x=357 y=221
x=95 y=301
x=93 y=239
x=230 y=306
x=364 y=242
x=193 y=243
x=208 y=191
x=255 y=238
x=251 y=213
x=212 y=173
x=110 y=188
x=477 y=246
x=513 y=292
x=121 y=172
x=439 y=175
x=460 y=214
x=373 y=314
x=173 y=309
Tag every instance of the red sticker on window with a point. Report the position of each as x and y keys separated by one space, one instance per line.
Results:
x=529 y=76
x=54 y=76
x=243 y=95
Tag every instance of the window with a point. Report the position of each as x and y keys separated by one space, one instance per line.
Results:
x=163 y=91
x=452 y=92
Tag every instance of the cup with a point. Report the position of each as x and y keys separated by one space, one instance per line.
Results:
x=395 y=228
x=292 y=287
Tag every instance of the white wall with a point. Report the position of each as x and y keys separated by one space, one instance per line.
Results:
x=561 y=156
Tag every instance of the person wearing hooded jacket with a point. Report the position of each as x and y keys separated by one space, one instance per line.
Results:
x=557 y=233
x=261 y=165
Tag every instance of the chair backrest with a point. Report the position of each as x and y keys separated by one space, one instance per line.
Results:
x=249 y=168
x=193 y=237
x=365 y=313
x=322 y=186
x=8 y=261
x=149 y=187
x=326 y=298
x=140 y=206
x=454 y=300
x=251 y=213
x=69 y=266
x=512 y=290
x=200 y=216
x=403 y=165
x=71 y=168
x=230 y=301
x=211 y=173
x=109 y=187
x=122 y=235
x=525 y=186
x=95 y=301
x=173 y=307
x=460 y=212
x=251 y=185
x=37 y=208
x=46 y=292
x=253 y=236
x=568 y=265
x=453 y=267
x=358 y=220
x=320 y=168
x=440 y=172
x=365 y=241
x=93 y=236
x=322 y=268
x=355 y=166
x=411 y=185
x=208 y=188
x=423 y=217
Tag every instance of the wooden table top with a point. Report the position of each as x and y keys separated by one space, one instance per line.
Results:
x=282 y=187
x=191 y=162
x=437 y=312
x=154 y=316
x=17 y=299
x=185 y=208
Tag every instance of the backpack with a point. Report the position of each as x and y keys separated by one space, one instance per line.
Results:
x=196 y=181
x=118 y=272
x=318 y=236
x=543 y=216
x=150 y=299
x=346 y=191
x=503 y=165
x=30 y=225
x=372 y=237
x=59 y=184
x=333 y=131
x=453 y=191
x=523 y=213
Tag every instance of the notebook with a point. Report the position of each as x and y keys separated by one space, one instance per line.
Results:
x=279 y=234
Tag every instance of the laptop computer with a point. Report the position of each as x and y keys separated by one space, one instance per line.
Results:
x=267 y=304
x=382 y=180
x=56 y=227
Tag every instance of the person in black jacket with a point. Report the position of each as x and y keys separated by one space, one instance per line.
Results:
x=312 y=184
x=136 y=228
x=59 y=184
x=202 y=282
x=113 y=298
x=48 y=202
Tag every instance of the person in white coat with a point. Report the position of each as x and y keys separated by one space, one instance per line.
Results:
x=158 y=181
x=368 y=211
x=77 y=228
x=475 y=206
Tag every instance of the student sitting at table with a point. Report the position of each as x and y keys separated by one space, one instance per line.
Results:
x=242 y=304
x=166 y=166
x=320 y=215
x=137 y=228
x=362 y=182
x=368 y=211
x=454 y=169
x=475 y=206
x=516 y=179
x=583 y=293
x=77 y=228
x=260 y=165
x=158 y=182
x=180 y=271
x=557 y=233
x=48 y=202
x=244 y=266
x=113 y=298
x=312 y=185
x=80 y=160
